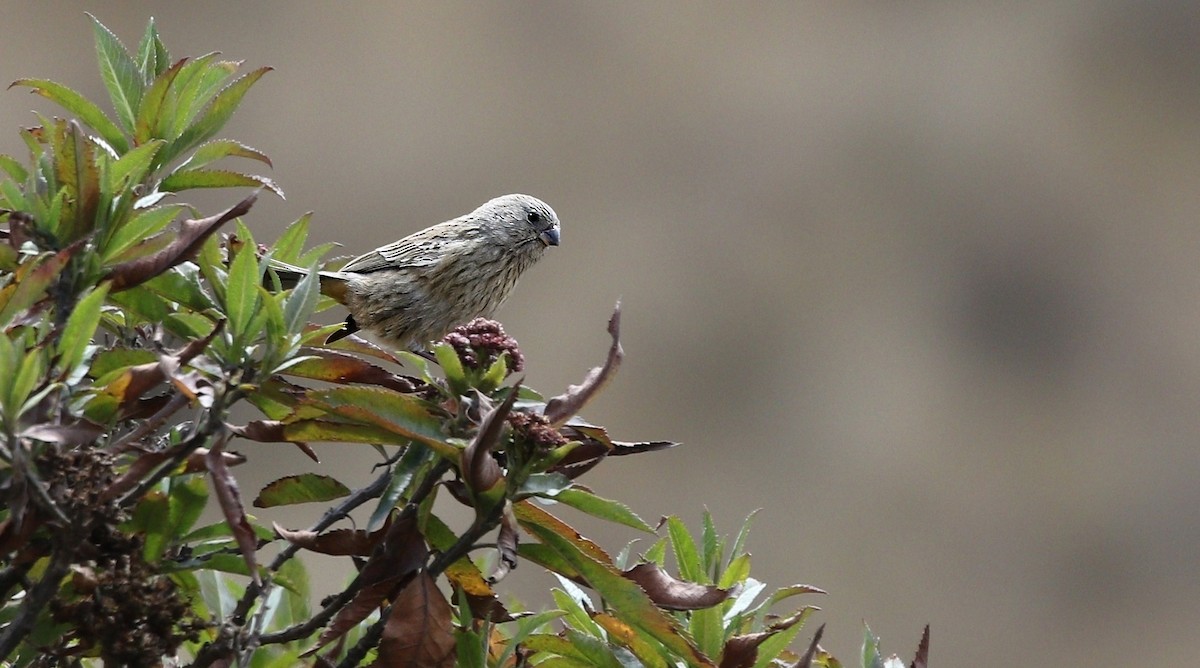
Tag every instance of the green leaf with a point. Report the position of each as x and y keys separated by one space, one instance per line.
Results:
x=625 y=597
x=303 y=488
x=291 y=242
x=151 y=518
x=401 y=414
x=151 y=118
x=686 y=556
x=80 y=329
x=605 y=509
x=13 y=168
x=81 y=107
x=142 y=304
x=120 y=74
x=198 y=80
x=152 y=56
x=302 y=302
x=452 y=367
x=871 y=658
x=139 y=228
x=132 y=167
x=188 y=495
x=413 y=461
x=215 y=178
x=711 y=540
x=241 y=291
x=216 y=149
x=217 y=113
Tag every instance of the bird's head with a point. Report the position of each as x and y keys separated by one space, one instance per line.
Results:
x=530 y=216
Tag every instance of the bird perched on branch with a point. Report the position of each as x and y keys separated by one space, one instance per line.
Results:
x=417 y=289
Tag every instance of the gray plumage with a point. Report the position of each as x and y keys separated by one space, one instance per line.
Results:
x=417 y=289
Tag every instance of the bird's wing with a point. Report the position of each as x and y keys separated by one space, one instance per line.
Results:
x=423 y=249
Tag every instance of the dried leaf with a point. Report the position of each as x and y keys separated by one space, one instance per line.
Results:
x=418 y=631
x=479 y=468
x=561 y=408
x=389 y=568
x=806 y=660
x=338 y=543
x=675 y=594
x=506 y=545
x=921 y=660
x=230 y=501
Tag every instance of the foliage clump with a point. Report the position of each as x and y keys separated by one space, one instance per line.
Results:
x=132 y=328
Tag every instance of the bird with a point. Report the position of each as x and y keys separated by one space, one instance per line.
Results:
x=413 y=291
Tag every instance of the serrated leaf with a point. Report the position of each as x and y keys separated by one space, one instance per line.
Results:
x=149 y=48
x=215 y=178
x=217 y=113
x=303 y=488
x=80 y=107
x=80 y=329
x=120 y=74
x=13 y=168
x=151 y=118
x=216 y=149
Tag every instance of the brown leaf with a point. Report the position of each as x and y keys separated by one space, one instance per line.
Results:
x=198 y=460
x=338 y=543
x=806 y=660
x=561 y=408
x=418 y=631
x=672 y=594
x=390 y=567
x=480 y=470
x=192 y=234
x=230 y=501
x=921 y=660
x=506 y=545
x=77 y=432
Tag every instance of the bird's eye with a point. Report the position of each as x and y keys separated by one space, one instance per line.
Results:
x=533 y=217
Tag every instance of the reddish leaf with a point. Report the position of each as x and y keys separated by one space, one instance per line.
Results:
x=418 y=631
x=921 y=660
x=561 y=408
x=337 y=367
x=230 y=501
x=673 y=594
x=192 y=234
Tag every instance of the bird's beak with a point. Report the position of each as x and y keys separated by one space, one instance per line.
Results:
x=549 y=237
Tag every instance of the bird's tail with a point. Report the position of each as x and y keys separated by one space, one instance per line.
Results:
x=333 y=284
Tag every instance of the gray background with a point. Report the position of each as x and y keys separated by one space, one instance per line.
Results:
x=918 y=279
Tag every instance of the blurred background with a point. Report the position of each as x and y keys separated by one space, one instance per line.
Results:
x=920 y=280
